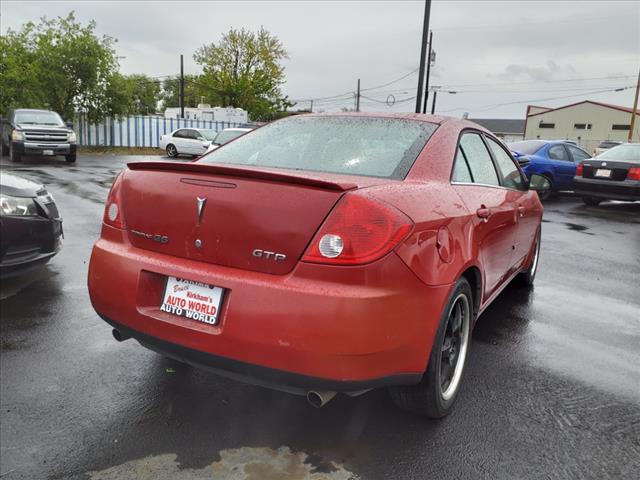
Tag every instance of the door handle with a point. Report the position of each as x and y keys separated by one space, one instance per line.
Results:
x=483 y=212
x=522 y=211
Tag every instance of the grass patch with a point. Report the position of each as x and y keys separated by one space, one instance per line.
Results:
x=101 y=150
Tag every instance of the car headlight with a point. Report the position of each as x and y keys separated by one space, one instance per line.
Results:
x=17 y=135
x=72 y=137
x=17 y=206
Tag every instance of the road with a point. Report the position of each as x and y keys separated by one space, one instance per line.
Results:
x=551 y=390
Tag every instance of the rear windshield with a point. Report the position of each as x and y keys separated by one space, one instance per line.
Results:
x=528 y=147
x=376 y=147
x=628 y=153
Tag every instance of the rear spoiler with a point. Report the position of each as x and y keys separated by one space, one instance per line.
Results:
x=236 y=171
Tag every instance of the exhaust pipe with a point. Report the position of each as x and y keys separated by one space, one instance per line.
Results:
x=119 y=336
x=319 y=399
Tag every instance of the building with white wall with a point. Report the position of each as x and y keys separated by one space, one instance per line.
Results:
x=208 y=113
x=587 y=123
x=508 y=129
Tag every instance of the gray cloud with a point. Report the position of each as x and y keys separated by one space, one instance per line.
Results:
x=483 y=48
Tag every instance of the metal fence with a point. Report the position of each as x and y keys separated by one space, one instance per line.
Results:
x=136 y=130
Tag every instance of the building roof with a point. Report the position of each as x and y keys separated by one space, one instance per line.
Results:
x=501 y=125
x=600 y=104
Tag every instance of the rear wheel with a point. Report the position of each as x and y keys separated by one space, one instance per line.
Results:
x=172 y=151
x=529 y=275
x=13 y=155
x=545 y=194
x=592 y=201
x=435 y=395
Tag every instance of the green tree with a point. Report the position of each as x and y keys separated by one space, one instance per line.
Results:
x=195 y=90
x=58 y=64
x=244 y=70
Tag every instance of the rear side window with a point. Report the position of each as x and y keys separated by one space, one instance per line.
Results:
x=479 y=160
x=577 y=154
x=351 y=145
x=461 y=172
x=511 y=177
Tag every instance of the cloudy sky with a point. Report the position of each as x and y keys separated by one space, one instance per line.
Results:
x=497 y=56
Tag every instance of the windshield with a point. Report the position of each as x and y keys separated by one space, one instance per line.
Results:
x=527 y=147
x=208 y=134
x=630 y=152
x=38 y=118
x=227 y=135
x=377 y=147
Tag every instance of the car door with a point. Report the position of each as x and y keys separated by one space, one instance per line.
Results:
x=526 y=206
x=180 y=140
x=563 y=167
x=492 y=207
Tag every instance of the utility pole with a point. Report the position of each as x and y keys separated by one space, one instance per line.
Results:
x=423 y=53
x=433 y=104
x=181 y=86
x=634 y=110
x=426 y=86
x=358 y=97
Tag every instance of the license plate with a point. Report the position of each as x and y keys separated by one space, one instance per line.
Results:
x=47 y=152
x=195 y=300
x=603 y=172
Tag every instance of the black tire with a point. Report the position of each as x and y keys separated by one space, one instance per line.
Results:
x=591 y=201
x=428 y=397
x=545 y=194
x=5 y=149
x=13 y=155
x=528 y=276
x=172 y=151
x=70 y=158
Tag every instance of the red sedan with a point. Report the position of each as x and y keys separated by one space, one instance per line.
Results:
x=321 y=254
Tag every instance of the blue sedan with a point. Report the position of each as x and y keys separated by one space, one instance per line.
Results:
x=554 y=159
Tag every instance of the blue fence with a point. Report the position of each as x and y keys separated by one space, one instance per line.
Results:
x=136 y=130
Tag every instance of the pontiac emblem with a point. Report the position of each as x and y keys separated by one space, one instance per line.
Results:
x=201 y=203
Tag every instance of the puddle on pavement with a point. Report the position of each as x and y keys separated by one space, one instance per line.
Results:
x=235 y=464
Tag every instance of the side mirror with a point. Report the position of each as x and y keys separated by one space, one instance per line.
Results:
x=539 y=183
x=69 y=125
x=206 y=144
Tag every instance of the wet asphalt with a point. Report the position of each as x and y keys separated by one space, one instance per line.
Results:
x=551 y=390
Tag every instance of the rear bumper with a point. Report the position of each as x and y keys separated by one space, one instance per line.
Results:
x=628 y=190
x=32 y=148
x=336 y=328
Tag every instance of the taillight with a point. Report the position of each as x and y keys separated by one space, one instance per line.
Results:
x=358 y=231
x=579 y=170
x=634 y=173
x=113 y=207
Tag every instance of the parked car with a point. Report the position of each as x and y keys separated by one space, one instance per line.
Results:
x=227 y=135
x=187 y=141
x=605 y=145
x=612 y=175
x=30 y=225
x=556 y=160
x=321 y=254
x=37 y=132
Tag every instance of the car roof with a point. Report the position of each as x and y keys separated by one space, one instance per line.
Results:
x=237 y=129
x=32 y=110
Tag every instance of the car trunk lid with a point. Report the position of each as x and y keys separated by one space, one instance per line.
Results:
x=607 y=169
x=238 y=217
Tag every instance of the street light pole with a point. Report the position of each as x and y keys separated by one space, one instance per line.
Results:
x=181 y=87
x=423 y=53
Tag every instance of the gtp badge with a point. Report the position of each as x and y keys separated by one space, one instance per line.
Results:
x=201 y=203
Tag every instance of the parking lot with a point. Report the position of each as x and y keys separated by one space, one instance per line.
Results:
x=551 y=390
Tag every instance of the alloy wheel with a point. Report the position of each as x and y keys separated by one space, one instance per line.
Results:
x=454 y=346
